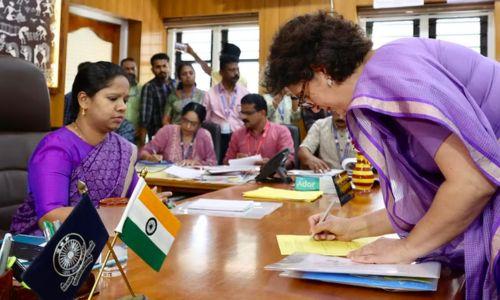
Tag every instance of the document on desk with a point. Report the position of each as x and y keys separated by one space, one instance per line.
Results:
x=290 y=244
x=184 y=173
x=221 y=205
x=306 y=262
x=230 y=208
x=282 y=194
x=311 y=173
x=230 y=169
x=245 y=161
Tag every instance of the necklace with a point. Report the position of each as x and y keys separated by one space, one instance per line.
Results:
x=78 y=131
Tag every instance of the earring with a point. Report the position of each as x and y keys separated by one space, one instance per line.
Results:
x=83 y=111
x=329 y=82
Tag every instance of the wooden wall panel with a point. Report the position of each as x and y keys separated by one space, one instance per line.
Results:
x=146 y=37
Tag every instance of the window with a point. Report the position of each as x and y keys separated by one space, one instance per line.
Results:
x=470 y=29
x=206 y=42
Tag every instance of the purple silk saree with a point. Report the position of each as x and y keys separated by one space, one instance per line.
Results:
x=411 y=95
x=59 y=161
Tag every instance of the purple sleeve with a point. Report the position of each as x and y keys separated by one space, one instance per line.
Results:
x=427 y=134
x=49 y=173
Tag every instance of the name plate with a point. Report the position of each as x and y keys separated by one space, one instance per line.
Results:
x=304 y=183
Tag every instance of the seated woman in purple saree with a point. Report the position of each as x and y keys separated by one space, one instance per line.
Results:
x=426 y=114
x=60 y=160
x=87 y=149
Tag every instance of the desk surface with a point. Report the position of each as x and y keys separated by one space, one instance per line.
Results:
x=224 y=258
x=164 y=182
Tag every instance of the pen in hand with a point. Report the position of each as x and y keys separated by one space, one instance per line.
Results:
x=325 y=214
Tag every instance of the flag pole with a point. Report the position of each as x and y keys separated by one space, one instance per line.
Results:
x=120 y=265
x=106 y=258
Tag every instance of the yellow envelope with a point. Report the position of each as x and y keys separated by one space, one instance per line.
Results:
x=282 y=194
x=290 y=244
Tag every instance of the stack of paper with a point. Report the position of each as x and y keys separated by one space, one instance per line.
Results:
x=221 y=205
x=401 y=277
x=185 y=173
x=311 y=173
x=282 y=194
x=245 y=161
x=230 y=169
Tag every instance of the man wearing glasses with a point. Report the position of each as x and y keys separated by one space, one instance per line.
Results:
x=259 y=136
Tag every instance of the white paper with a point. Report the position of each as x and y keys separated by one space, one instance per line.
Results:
x=229 y=169
x=396 y=3
x=331 y=264
x=311 y=173
x=245 y=161
x=185 y=173
x=221 y=205
x=257 y=211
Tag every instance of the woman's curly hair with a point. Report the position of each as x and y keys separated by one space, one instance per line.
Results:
x=314 y=40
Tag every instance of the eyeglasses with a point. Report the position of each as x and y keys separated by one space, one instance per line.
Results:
x=303 y=97
x=188 y=122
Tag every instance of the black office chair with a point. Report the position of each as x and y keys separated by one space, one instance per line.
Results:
x=24 y=120
x=214 y=130
x=294 y=131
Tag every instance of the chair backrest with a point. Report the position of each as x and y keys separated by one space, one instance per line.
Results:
x=294 y=131
x=215 y=131
x=24 y=120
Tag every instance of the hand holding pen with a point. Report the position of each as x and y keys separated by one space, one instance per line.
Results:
x=324 y=226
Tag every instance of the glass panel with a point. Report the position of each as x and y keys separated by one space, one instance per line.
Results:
x=201 y=42
x=463 y=31
x=388 y=31
x=247 y=38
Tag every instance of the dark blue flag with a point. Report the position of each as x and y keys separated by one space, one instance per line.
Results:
x=67 y=259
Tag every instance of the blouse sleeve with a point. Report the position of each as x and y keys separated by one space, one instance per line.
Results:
x=209 y=158
x=49 y=175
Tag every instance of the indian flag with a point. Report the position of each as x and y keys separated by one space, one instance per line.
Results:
x=147 y=226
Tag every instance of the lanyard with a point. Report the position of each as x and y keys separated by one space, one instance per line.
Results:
x=227 y=110
x=337 y=144
x=261 y=139
x=187 y=153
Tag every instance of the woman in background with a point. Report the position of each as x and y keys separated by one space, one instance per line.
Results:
x=186 y=144
x=186 y=92
x=87 y=149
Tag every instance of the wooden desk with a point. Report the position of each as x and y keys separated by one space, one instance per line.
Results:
x=163 y=182
x=224 y=258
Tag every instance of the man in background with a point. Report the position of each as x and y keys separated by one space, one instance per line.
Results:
x=330 y=135
x=223 y=101
x=259 y=136
x=154 y=96
x=134 y=97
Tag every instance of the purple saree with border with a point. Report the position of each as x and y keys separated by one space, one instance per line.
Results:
x=412 y=94
x=59 y=161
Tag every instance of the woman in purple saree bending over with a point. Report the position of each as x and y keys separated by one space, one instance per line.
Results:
x=87 y=150
x=426 y=114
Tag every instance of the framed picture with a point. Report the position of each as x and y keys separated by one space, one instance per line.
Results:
x=30 y=29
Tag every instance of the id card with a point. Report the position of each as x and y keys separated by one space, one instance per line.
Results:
x=225 y=128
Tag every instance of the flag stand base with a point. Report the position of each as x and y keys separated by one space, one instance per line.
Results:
x=99 y=276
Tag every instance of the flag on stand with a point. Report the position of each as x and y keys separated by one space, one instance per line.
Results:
x=147 y=226
x=66 y=261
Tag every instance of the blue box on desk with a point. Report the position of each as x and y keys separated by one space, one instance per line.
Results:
x=305 y=183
